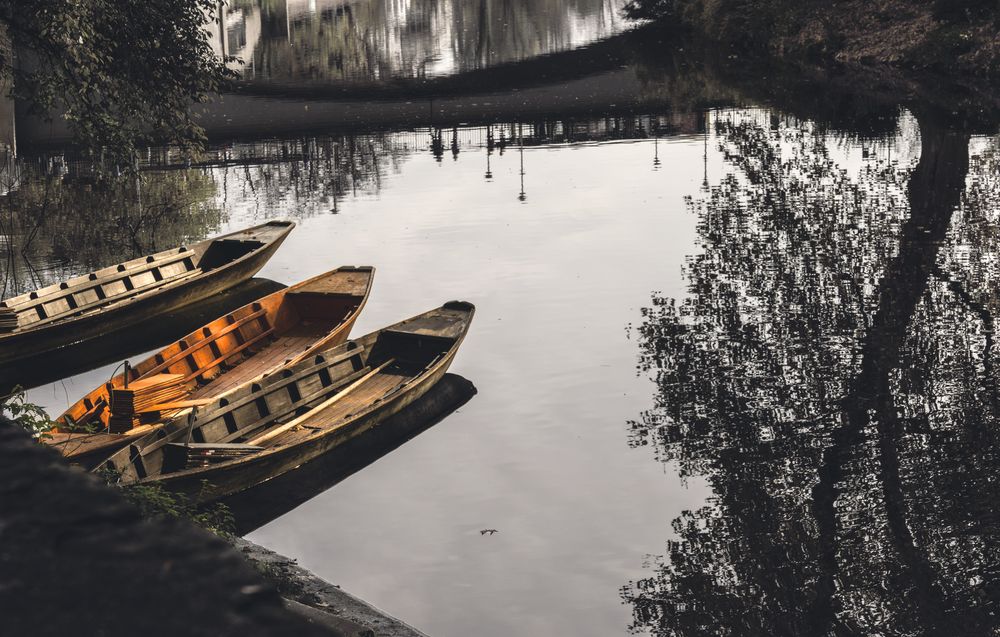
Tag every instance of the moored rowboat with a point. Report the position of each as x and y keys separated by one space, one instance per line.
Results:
x=268 y=427
x=279 y=329
x=109 y=299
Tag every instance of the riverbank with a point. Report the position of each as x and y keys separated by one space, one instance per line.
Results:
x=65 y=533
x=77 y=558
x=308 y=595
x=948 y=37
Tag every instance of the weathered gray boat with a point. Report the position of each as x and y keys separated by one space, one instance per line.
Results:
x=266 y=428
x=139 y=290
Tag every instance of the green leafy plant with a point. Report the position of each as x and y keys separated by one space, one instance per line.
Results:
x=28 y=415
x=153 y=500
x=122 y=73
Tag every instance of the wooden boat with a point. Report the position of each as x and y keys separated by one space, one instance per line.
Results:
x=279 y=329
x=109 y=299
x=297 y=413
x=131 y=341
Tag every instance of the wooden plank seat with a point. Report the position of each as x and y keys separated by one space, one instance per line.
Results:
x=215 y=446
x=174 y=406
x=93 y=281
x=213 y=337
x=103 y=303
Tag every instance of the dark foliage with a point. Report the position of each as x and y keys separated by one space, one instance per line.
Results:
x=122 y=72
x=964 y=10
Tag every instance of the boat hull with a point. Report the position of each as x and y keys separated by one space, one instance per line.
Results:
x=29 y=344
x=216 y=483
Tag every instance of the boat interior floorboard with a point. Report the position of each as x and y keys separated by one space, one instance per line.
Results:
x=273 y=354
x=360 y=398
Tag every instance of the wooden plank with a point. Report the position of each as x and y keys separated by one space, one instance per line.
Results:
x=280 y=384
x=305 y=400
x=440 y=324
x=323 y=405
x=218 y=445
x=151 y=380
x=209 y=339
x=250 y=369
x=91 y=284
x=154 y=287
x=229 y=354
x=178 y=404
x=338 y=283
x=144 y=429
x=110 y=300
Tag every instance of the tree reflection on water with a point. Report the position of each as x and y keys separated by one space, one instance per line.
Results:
x=57 y=222
x=832 y=375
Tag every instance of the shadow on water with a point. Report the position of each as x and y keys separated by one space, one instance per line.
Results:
x=260 y=505
x=131 y=341
x=832 y=374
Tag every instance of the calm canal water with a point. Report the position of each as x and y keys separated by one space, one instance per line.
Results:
x=735 y=356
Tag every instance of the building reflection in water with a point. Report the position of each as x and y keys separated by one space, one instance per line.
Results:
x=327 y=40
x=832 y=375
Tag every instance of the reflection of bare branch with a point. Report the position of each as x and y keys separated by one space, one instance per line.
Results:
x=84 y=222
x=935 y=189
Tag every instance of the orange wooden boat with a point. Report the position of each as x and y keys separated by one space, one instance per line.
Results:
x=279 y=329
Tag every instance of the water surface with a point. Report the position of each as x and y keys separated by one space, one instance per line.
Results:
x=296 y=41
x=734 y=347
x=559 y=269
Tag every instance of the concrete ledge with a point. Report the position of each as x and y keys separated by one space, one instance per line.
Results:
x=335 y=623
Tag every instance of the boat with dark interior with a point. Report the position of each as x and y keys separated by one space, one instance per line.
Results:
x=270 y=426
